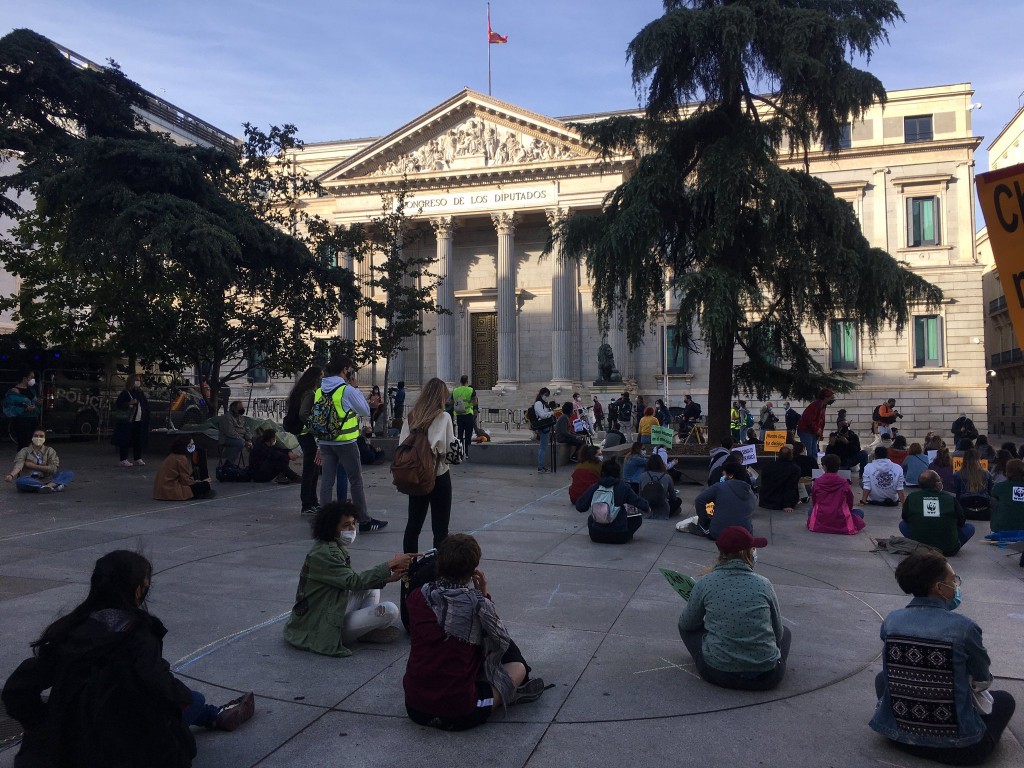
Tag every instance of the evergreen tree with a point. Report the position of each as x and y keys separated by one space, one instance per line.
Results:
x=756 y=252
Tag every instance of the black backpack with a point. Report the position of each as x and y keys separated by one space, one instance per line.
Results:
x=421 y=571
x=232 y=473
x=654 y=492
x=876 y=414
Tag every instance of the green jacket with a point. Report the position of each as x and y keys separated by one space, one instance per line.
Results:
x=1008 y=512
x=321 y=600
x=933 y=518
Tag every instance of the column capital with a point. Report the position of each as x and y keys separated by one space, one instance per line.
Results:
x=504 y=222
x=556 y=216
x=443 y=226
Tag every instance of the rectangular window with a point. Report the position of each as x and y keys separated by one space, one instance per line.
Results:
x=257 y=373
x=678 y=353
x=927 y=341
x=844 y=345
x=922 y=221
x=845 y=138
x=917 y=128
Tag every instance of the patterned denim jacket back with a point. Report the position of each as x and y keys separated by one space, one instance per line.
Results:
x=928 y=650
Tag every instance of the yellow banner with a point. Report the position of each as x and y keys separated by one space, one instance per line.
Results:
x=774 y=439
x=958 y=462
x=1001 y=194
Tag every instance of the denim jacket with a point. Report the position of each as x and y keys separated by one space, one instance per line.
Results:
x=927 y=619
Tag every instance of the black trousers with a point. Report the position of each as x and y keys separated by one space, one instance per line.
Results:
x=599 y=536
x=439 y=503
x=464 y=425
x=310 y=475
x=763 y=681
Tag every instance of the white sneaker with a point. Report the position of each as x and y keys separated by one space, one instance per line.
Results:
x=127 y=463
x=140 y=463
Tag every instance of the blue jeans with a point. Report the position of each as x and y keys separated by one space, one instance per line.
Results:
x=810 y=441
x=33 y=484
x=199 y=712
x=542 y=449
x=963 y=534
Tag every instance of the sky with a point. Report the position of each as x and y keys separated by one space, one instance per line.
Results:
x=349 y=69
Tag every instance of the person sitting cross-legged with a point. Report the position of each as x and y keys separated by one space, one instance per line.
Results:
x=934 y=517
x=882 y=481
x=609 y=522
x=37 y=468
x=733 y=502
x=780 y=482
x=832 y=509
x=1008 y=511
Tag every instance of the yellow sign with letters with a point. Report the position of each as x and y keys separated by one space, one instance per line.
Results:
x=774 y=439
x=1001 y=194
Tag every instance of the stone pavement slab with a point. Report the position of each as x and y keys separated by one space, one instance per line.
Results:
x=597 y=622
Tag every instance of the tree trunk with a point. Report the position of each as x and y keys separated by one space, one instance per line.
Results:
x=385 y=398
x=720 y=393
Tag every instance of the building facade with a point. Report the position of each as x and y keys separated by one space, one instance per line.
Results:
x=486 y=179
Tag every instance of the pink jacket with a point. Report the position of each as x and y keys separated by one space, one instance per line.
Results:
x=832 y=505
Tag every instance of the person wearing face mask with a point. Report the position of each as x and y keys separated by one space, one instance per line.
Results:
x=270 y=461
x=131 y=422
x=732 y=625
x=113 y=700
x=336 y=606
x=22 y=408
x=933 y=697
x=934 y=517
x=234 y=432
x=37 y=468
x=183 y=474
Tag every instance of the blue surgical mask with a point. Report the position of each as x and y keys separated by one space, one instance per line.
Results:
x=952 y=605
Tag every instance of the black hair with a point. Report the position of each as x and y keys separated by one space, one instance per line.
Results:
x=338 y=364
x=115 y=580
x=464 y=379
x=830 y=462
x=268 y=435
x=737 y=470
x=305 y=383
x=325 y=523
x=540 y=394
x=458 y=555
x=918 y=572
x=899 y=442
x=567 y=407
x=655 y=463
x=727 y=442
x=180 y=444
x=610 y=468
x=881 y=452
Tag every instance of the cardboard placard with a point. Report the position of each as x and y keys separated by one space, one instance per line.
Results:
x=1002 y=204
x=932 y=455
x=662 y=436
x=749 y=454
x=681 y=583
x=958 y=462
x=774 y=439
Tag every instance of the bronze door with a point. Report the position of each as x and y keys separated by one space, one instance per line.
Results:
x=484 y=333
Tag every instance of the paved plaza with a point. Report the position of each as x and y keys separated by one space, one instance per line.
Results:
x=597 y=621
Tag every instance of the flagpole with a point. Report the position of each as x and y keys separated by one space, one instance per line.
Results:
x=488 y=49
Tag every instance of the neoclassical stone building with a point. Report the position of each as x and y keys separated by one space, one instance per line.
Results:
x=486 y=178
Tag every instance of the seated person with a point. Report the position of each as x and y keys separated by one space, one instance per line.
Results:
x=648 y=420
x=1008 y=510
x=973 y=487
x=368 y=452
x=915 y=463
x=914 y=697
x=635 y=465
x=832 y=509
x=943 y=464
x=234 y=432
x=807 y=466
x=718 y=457
x=845 y=444
x=565 y=434
x=113 y=700
x=334 y=605
x=732 y=625
x=462 y=662
x=658 y=489
x=718 y=473
x=183 y=474
x=882 y=481
x=37 y=468
x=587 y=472
x=934 y=517
x=270 y=461
x=615 y=494
x=780 y=482
x=733 y=501
x=899 y=451
x=752 y=437
x=613 y=437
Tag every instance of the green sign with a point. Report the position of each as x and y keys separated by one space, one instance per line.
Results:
x=680 y=582
x=661 y=436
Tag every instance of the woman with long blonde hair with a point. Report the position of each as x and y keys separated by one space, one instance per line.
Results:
x=429 y=416
x=973 y=487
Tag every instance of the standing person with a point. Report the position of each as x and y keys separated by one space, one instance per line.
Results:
x=691 y=416
x=624 y=414
x=885 y=416
x=916 y=691
x=131 y=417
x=767 y=420
x=399 y=405
x=376 y=403
x=207 y=393
x=22 y=408
x=113 y=700
x=735 y=423
x=300 y=405
x=882 y=481
x=643 y=430
x=641 y=411
x=662 y=412
x=224 y=397
x=183 y=474
x=462 y=662
x=732 y=625
x=543 y=415
x=598 y=414
x=37 y=468
x=792 y=417
x=234 y=432
x=340 y=387
x=465 y=405
x=811 y=427
x=746 y=421
x=429 y=416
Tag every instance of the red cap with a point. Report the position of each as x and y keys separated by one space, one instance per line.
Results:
x=826 y=393
x=736 y=538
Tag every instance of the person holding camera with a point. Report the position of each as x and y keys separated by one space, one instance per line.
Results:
x=886 y=415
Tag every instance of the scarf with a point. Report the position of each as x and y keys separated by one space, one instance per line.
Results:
x=467 y=615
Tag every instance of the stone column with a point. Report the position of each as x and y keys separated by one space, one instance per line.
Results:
x=561 y=306
x=347 y=329
x=508 y=337
x=397 y=370
x=443 y=229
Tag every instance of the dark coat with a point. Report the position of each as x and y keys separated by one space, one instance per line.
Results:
x=122 y=437
x=114 y=701
x=780 y=485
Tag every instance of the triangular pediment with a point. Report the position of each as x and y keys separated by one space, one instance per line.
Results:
x=469 y=134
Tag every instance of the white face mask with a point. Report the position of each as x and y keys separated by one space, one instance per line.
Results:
x=191 y=448
x=38 y=441
x=347 y=537
x=136 y=384
x=31 y=382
